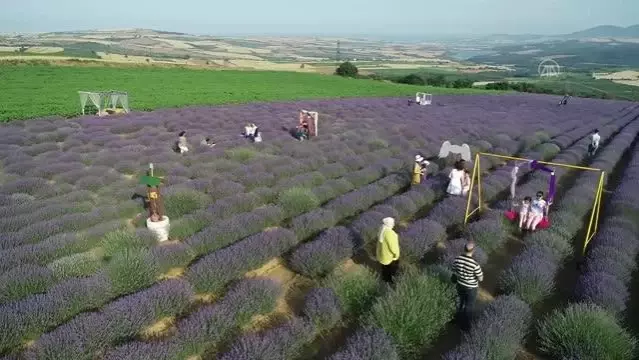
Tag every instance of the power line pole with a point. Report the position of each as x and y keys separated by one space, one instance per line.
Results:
x=338 y=54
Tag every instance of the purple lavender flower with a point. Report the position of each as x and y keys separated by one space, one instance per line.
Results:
x=443 y=210
x=364 y=176
x=403 y=204
x=234 y=205
x=611 y=266
x=368 y=344
x=211 y=324
x=604 y=290
x=320 y=256
x=322 y=307
x=333 y=171
x=24 y=280
x=212 y=272
x=386 y=210
x=172 y=255
x=283 y=342
x=312 y=222
x=225 y=188
x=139 y=350
x=498 y=331
x=420 y=237
x=531 y=275
x=487 y=233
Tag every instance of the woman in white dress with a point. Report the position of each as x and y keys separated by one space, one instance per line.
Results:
x=455 y=186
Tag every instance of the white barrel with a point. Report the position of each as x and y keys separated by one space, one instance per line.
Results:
x=159 y=228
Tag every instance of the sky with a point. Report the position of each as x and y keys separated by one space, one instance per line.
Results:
x=323 y=17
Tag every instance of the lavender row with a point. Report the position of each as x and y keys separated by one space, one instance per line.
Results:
x=410 y=347
x=524 y=276
x=226 y=264
x=528 y=280
x=342 y=296
x=162 y=258
x=324 y=253
x=66 y=223
x=609 y=262
x=27 y=279
x=489 y=235
x=223 y=207
x=91 y=333
x=478 y=340
x=208 y=326
x=225 y=233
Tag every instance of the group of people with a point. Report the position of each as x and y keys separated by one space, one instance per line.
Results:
x=459 y=177
x=302 y=131
x=531 y=212
x=467 y=273
x=182 y=145
x=252 y=132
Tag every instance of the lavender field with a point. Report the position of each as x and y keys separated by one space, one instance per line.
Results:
x=271 y=245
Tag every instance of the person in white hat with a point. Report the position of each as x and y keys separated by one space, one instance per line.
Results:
x=419 y=169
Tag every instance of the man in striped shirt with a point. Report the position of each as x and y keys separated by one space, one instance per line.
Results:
x=468 y=274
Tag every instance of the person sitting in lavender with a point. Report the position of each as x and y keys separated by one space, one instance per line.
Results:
x=182 y=145
x=207 y=142
x=564 y=101
x=249 y=131
x=257 y=135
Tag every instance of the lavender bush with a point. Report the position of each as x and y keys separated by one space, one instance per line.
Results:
x=213 y=272
x=320 y=256
x=414 y=312
x=322 y=307
x=584 y=331
x=355 y=289
x=368 y=344
x=283 y=342
x=419 y=238
x=497 y=333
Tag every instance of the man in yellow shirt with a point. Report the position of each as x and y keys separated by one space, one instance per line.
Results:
x=388 y=249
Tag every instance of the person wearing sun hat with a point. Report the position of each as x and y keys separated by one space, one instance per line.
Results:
x=419 y=169
x=387 y=253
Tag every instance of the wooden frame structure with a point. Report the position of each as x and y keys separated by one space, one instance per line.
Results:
x=311 y=118
x=596 y=206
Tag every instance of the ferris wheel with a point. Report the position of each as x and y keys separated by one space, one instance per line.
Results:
x=548 y=68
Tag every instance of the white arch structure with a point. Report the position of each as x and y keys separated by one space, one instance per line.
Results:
x=105 y=100
x=423 y=98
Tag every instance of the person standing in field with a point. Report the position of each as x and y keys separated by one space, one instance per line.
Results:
x=388 y=249
x=418 y=170
x=467 y=275
x=455 y=186
x=594 y=142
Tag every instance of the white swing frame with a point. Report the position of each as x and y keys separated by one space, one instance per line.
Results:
x=423 y=98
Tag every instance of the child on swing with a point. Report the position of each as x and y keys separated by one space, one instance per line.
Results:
x=466 y=182
x=524 y=210
x=538 y=208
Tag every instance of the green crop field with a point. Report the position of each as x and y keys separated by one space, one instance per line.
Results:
x=30 y=91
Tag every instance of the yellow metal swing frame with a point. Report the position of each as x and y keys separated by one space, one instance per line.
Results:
x=594 y=212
